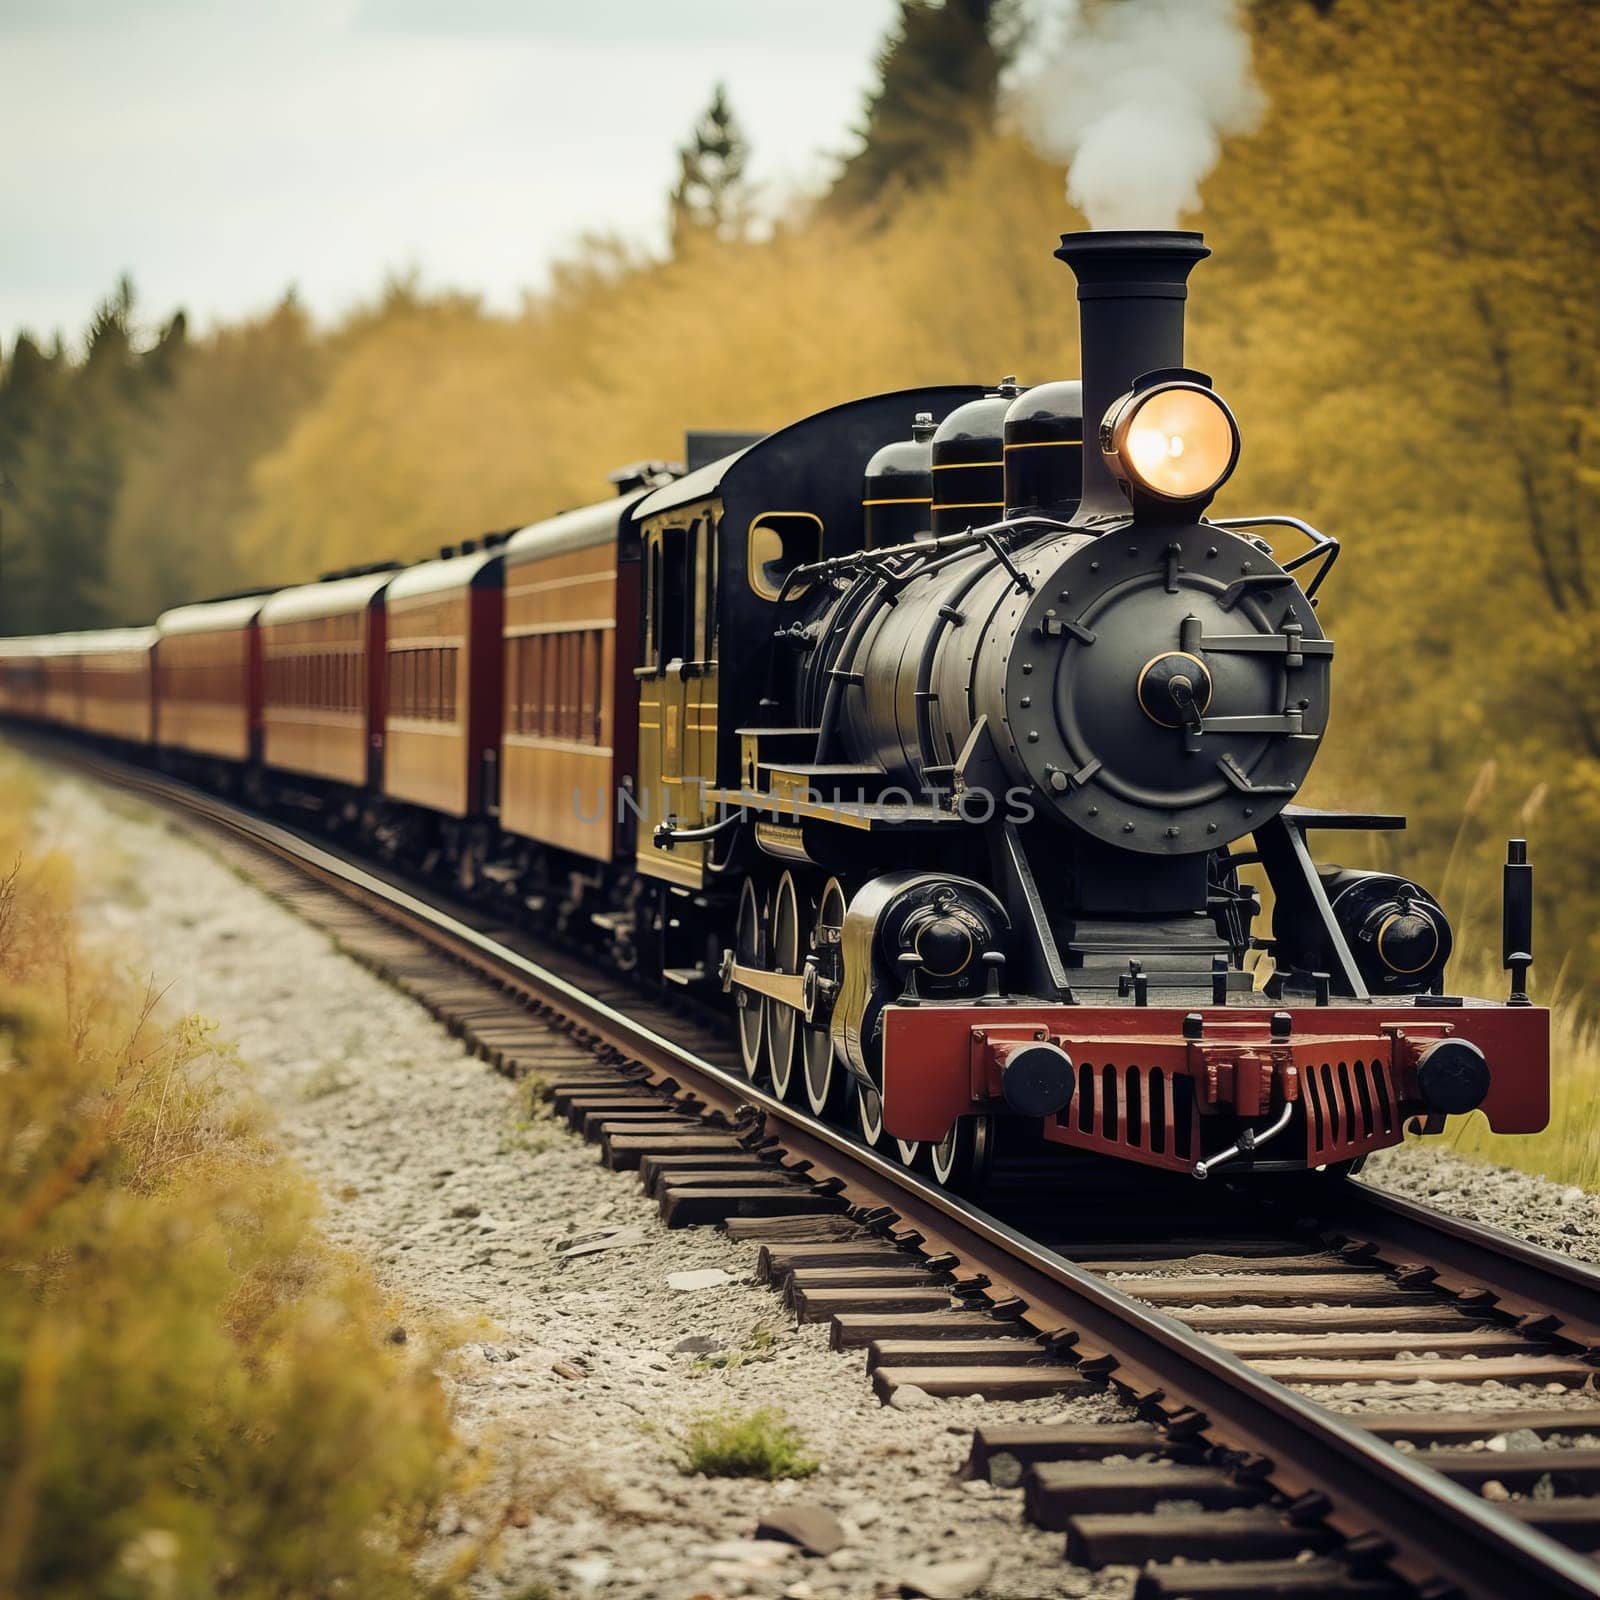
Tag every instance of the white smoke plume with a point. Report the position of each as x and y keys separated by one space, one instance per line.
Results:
x=1138 y=99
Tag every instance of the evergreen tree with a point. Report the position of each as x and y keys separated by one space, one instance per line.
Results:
x=938 y=79
x=709 y=200
x=64 y=447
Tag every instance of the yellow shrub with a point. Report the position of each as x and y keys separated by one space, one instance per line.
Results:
x=197 y=1395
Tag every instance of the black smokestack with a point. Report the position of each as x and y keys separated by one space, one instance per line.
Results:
x=1131 y=289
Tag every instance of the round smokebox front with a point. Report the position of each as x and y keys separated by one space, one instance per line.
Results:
x=1164 y=689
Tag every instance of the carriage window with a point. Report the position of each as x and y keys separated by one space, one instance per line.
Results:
x=780 y=541
x=674 y=595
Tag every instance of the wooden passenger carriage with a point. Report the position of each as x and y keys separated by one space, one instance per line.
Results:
x=443 y=684
x=208 y=679
x=571 y=699
x=324 y=679
x=22 y=677
x=115 y=684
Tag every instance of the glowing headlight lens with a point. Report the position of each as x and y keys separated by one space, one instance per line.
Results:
x=1178 y=442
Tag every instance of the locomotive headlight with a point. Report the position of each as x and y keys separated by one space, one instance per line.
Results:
x=1176 y=441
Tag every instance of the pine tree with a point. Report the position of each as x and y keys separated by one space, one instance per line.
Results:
x=709 y=200
x=64 y=449
x=938 y=79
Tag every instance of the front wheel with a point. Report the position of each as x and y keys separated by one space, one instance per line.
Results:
x=962 y=1159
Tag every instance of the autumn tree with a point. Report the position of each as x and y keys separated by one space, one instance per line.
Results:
x=188 y=486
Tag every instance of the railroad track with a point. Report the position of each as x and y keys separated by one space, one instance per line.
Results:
x=1210 y=1317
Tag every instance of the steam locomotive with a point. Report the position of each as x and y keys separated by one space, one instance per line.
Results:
x=959 y=780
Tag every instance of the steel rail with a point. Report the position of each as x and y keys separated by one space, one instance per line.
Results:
x=1437 y=1531
x=1526 y=1279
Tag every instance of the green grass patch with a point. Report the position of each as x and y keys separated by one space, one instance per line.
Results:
x=753 y=1444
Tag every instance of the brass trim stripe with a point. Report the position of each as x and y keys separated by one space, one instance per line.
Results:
x=956 y=466
x=1045 y=444
x=969 y=505
x=913 y=501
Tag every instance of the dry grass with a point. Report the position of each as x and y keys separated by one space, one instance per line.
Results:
x=1569 y=1148
x=197 y=1395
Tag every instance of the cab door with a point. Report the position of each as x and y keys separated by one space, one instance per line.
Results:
x=677 y=692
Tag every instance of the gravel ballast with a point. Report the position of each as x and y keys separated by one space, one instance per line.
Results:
x=1559 y=1216
x=572 y=1378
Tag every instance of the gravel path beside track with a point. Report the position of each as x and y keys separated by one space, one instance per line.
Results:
x=1558 y=1216
x=572 y=1376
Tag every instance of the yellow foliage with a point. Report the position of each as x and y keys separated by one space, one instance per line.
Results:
x=197 y=1395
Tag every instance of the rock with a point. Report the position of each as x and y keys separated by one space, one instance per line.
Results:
x=467 y=1208
x=589 y=1571
x=799 y=1591
x=868 y=1512
x=699 y=1278
x=619 y=1239
x=1495 y=1490
x=814 y=1528
x=846 y=1560
x=636 y=1503
x=1005 y=1471
x=947 y=1580
x=757 y=1553
x=567 y=1369
x=908 y=1397
x=698 y=1344
x=978 y=1488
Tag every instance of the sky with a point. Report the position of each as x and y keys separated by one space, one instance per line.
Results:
x=220 y=151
